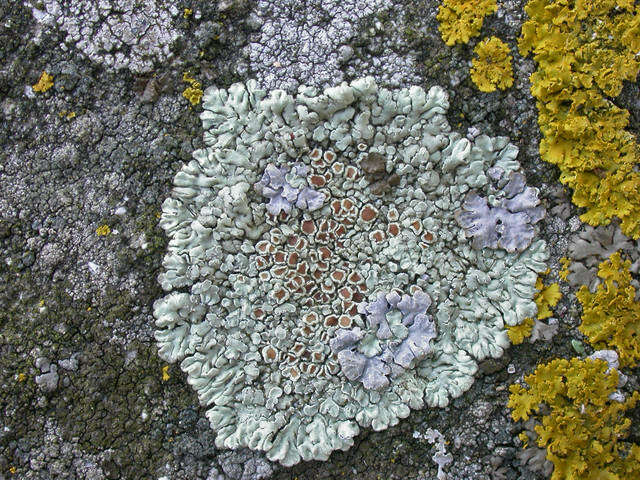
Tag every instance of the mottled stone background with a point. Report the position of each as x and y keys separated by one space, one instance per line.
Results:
x=82 y=394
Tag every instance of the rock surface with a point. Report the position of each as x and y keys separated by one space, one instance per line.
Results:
x=101 y=147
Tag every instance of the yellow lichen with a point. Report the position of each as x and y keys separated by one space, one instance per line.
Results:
x=193 y=92
x=584 y=51
x=45 y=82
x=187 y=12
x=582 y=429
x=492 y=67
x=68 y=115
x=611 y=316
x=517 y=333
x=21 y=377
x=462 y=19
x=165 y=373
x=564 y=272
x=547 y=296
x=103 y=230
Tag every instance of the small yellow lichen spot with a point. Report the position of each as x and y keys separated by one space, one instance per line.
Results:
x=548 y=296
x=41 y=303
x=22 y=377
x=564 y=272
x=462 y=19
x=12 y=470
x=165 y=373
x=525 y=439
x=88 y=309
x=518 y=333
x=103 y=230
x=187 y=12
x=193 y=93
x=492 y=67
x=187 y=78
x=67 y=115
x=45 y=82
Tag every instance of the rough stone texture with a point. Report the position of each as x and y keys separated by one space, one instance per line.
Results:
x=314 y=43
x=120 y=34
x=112 y=416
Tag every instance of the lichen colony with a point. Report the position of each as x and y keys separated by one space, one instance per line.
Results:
x=337 y=258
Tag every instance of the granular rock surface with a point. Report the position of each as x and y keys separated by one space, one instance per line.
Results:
x=86 y=164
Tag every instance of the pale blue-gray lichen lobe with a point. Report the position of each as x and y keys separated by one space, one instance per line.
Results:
x=255 y=299
x=398 y=335
x=506 y=218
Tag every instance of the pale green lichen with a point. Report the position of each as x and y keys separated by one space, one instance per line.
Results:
x=254 y=298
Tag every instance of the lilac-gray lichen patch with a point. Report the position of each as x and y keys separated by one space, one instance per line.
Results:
x=592 y=245
x=118 y=34
x=398 y=334
x=297 y=326
x=283 y=192
x=508 y=220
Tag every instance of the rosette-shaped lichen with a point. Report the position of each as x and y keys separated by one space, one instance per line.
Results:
x=491 y=68
x=398 y=335
x=461 y=20
x=298 y=322
x=507 y=218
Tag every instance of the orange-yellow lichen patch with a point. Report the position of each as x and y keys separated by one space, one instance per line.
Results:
x=548 y=296
x=103 y=230
x=584 y=51
x=491 y=69
x=582 y=428
x=462 y=19
x=44 y=83
x=517 y=333
x=611 y=316
x=193 y=92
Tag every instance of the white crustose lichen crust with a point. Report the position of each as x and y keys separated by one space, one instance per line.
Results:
x=117 y=34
